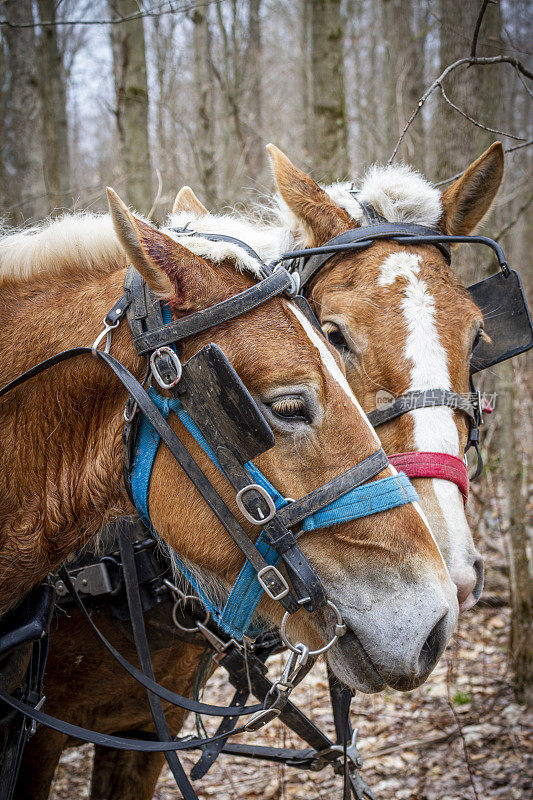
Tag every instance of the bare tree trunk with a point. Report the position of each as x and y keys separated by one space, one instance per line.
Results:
x=5 y=193
x=22 y=62
x=131 y=90
x=307 y=82
x=203 y=75
x=55 y=144
x=255 y=145
x=453 y=136
x=330 y=139
x=521 y=637
x=403 y=78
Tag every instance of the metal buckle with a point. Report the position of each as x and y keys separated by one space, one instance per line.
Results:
x=108 y=329
x=168 y=351
x=93 y=579
x=266 y=497
x=130 y=409
x=279 y=577
x=340 y=630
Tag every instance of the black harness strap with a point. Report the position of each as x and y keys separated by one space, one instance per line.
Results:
x=314 y=501
x=314 y=258
x=360 y=239
x=213 y=750
x=221 y=237
x=143 y=651
x=431 y=398
x=280 y=281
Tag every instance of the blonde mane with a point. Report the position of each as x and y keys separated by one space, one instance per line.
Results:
x=86 y=243
x=267 y=241
x=74 y=244
x=397 y=192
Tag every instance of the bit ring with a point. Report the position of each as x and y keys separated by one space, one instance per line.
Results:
x=340 y=630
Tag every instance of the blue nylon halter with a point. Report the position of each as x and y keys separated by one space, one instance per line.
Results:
x=235 y=618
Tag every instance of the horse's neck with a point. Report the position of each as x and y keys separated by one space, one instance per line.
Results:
x=60 y=462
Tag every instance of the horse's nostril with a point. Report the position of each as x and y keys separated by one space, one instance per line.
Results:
x=480 y=572
x=432 y=647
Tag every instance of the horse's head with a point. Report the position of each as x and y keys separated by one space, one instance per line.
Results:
x=384 y=572
x=401 y=319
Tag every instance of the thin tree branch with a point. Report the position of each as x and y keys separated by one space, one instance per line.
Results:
x=149 y=13
x=524 y=84
x=450 y=68
x=449 y=180
x=506 y=228
x=479 y=20
x=157 y=195
x=507 y=150
x=465 y=749
x=475 y=122
x=519 y=146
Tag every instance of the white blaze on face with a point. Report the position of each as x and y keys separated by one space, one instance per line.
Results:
x=434 y=428
x=333 y=368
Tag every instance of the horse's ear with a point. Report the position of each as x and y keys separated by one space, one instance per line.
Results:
x=316 y=217
x=467 y=200
x=186 y=200
x=172 y=271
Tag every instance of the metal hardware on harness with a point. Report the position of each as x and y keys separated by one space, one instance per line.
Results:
x=275 y=579
x=182 y=599
x=293 y=290
x=336 y=751
x=93 y=579
x=107 y=332
x=218 y=644
x=266 y=497
x=296 y=661
x=278 y=695
x=176 y=363
x=340 y=630
x=130 y=409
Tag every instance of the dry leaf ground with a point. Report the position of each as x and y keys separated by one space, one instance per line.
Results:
x=459 y=736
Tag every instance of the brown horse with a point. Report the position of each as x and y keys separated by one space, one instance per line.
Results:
x=61 y=461
x=400 y=317
x=426 y=321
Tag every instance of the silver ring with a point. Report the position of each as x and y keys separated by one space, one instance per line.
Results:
x=179 y=601
x=340 y=630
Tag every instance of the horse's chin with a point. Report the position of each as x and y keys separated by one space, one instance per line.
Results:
x=351 y=665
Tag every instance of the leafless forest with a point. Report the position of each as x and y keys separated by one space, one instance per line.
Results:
x=149 y=95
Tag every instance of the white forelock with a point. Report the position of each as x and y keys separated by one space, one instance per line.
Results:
x=267 y=241
x=397 y=192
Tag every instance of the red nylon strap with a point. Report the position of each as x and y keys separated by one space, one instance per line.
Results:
x=434 y=465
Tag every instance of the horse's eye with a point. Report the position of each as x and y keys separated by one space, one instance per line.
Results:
x=335 y=337
x=291 y=407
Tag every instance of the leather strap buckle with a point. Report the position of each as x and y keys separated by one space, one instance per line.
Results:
x=271 y=580
x=266 y=497
x=176 y=363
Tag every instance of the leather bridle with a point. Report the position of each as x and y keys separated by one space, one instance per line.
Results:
x=341 y=499
x=309 y=262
